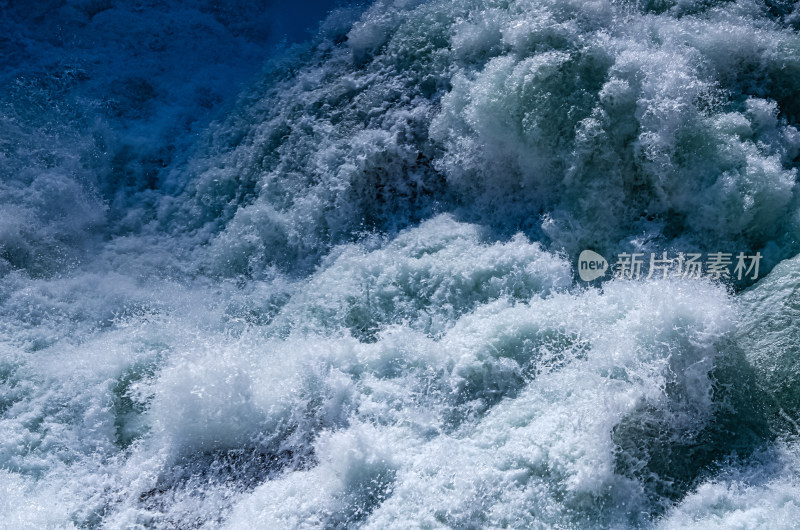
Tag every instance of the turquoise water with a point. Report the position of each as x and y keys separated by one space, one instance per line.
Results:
x=252 y=277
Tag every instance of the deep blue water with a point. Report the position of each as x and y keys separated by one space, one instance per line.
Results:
x=314 y=265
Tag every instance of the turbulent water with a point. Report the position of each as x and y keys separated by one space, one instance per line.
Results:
x=246 y=283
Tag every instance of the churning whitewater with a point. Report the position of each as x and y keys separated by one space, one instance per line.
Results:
x=256 y=278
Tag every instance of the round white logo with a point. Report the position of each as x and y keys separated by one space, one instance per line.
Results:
x=591 y=265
